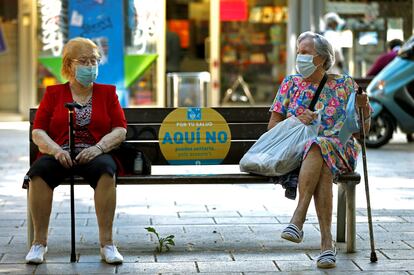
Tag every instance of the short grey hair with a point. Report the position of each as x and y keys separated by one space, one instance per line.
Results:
x=322 y=46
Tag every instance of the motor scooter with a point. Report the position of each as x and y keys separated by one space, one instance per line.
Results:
x=391 y=95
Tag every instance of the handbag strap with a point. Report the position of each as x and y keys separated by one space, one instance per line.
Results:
x=318 y=91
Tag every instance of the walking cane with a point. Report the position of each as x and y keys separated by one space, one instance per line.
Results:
x=373 y=257
x=70 y=107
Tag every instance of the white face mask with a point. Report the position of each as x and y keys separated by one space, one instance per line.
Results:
x=304 y=65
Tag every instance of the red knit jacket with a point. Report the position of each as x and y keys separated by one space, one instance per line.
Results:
x=52 y=116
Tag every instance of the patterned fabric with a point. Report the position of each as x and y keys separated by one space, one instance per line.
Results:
x=292 y=233
x=83 y=137
x=295 y=95
x=327 y=259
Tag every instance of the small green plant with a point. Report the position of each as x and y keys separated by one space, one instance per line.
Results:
x=162 y=242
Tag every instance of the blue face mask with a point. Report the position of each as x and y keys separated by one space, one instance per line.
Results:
x=304 y=65
x=85 y=75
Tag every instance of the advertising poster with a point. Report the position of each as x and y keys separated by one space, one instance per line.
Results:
x=197 y=136
x=102 y=21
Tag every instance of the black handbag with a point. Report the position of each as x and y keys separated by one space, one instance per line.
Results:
x=128 y=156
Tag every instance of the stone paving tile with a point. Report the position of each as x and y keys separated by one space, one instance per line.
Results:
x=410 y=243
x=387 y=212
x=407 y=236
x=381 y=219
x=389 y=265
x=13 y=258
x=207 y=256
x=398 y=254
x=17 y=269
x=64 y=223
x=94 y=257
x=145 y=268
x=246 y=220
x=257 y=213
x=75 y=268
x=408 y=218
x=310 y=265
x=5 y=240
x=217 y=214
x=383 y=244
x=309 y=219
x=288 y=273
x=78 y=215
x=277 y=228
x=11 y=223
x=337 y=272
x=207 y=273
x=238 y=266
x=4 y=215
x=138 y=221
x=398 y=227
x=185 y=207
x=218 y=228
x=176 y=221
x=161 y=229
x=274 y=255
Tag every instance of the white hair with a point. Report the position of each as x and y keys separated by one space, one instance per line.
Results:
x=322 y=46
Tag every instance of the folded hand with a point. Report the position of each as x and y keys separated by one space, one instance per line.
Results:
x=88 y=154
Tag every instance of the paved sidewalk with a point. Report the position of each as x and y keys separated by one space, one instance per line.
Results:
x=219 y=229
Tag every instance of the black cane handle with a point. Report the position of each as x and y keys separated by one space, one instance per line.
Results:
x=72 y=105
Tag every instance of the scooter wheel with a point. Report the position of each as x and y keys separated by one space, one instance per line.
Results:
x=410 y=137
x=381 y=131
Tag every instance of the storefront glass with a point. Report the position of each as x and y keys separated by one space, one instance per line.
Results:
x=253 y=50
x=128 y=44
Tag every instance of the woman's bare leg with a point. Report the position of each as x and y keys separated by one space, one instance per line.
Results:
x=105 y=203
x=308 y=179
x=323 y=204
x=40 y=204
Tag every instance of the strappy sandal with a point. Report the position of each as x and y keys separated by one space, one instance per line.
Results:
x=327 y=259
x=292 y=233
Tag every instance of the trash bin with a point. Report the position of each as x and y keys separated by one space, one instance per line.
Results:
x=188 y=89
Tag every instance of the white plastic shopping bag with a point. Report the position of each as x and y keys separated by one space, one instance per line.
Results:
x=280 y=150
x=351 y=123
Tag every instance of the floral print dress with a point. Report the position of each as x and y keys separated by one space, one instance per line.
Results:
x=295 y=95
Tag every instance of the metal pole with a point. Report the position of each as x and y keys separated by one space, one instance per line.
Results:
x=70 y=107
x=373 y=257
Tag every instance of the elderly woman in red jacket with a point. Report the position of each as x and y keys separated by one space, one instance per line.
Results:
x=100 y=126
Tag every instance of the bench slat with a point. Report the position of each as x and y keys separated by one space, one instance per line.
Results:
x=230 y=114
x=185 y=179
x=239 y=131
x=153 y=151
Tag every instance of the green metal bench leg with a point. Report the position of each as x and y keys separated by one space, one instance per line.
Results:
x=341 y=212
x=350 y=218
x=29 y=224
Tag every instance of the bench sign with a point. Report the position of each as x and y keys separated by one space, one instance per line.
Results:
x=191 y=136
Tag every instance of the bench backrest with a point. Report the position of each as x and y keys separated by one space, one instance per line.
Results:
x=246 y=126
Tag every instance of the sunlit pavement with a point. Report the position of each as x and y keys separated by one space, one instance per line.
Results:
x=220 y=229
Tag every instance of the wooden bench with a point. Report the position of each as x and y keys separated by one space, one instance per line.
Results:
x=246 y=126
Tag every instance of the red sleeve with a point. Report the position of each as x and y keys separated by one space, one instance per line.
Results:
x=117 y=113
x=44 y=112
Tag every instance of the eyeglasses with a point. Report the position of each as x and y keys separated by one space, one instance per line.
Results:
x=87 y=61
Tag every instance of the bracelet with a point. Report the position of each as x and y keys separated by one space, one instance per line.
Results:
x=100 y=148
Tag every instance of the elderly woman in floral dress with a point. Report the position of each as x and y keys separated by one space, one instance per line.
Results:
x=324 y=156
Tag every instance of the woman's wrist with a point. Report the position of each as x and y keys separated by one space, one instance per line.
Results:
x=100 y=148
